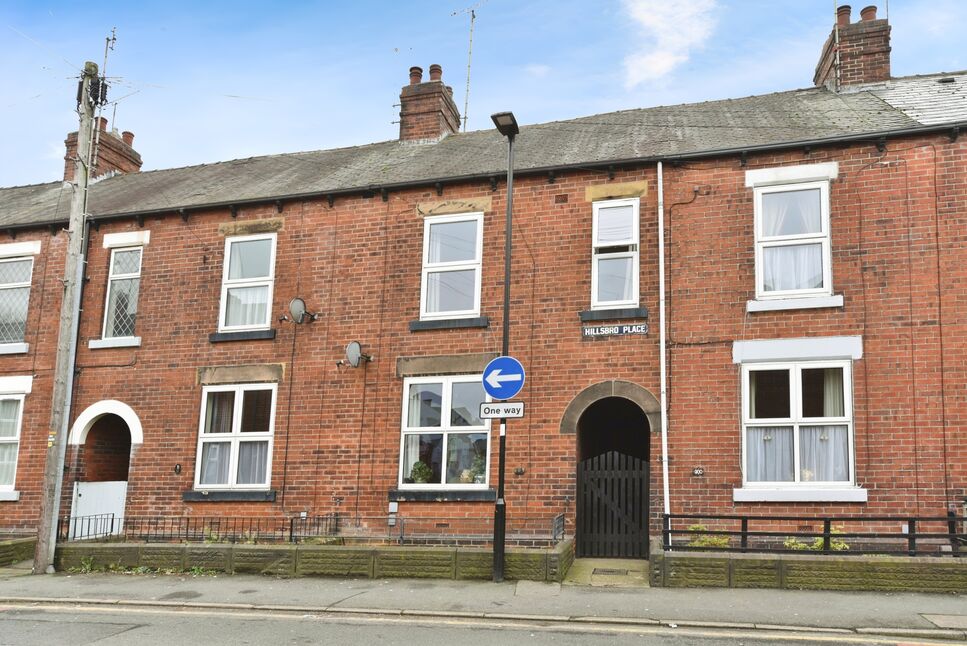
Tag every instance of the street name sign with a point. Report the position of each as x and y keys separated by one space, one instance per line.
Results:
x=501 y=410
x=503 y=377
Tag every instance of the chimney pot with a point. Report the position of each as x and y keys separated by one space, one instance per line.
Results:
x=102 y=124
x=416 y=75
x=868 y=13
x=127 y=137
x=436 y=72
x=843 y=15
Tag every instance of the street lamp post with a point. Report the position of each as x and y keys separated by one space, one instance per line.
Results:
x=507 y=126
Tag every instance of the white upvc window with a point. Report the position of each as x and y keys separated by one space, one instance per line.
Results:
x=452 y=252
x=235 y=434
x=797 y=424
x=15 y=275
x=123 y=284
x=247 y=281
x=11 y=416
x=614 y=254
x=444 y=444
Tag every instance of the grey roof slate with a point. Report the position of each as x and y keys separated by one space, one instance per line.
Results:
x=681 y=130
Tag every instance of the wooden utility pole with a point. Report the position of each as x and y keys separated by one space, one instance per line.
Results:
x=88 y=96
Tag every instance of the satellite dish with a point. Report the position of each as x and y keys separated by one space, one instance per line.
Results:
x=297 y=308
x=354 y=354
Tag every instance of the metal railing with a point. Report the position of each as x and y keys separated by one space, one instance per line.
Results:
x=395 y=528
x=840 y=535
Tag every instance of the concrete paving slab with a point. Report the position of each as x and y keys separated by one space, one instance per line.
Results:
x=616 y=573
x=537 y=589
x=913 y=632
x=948 y=621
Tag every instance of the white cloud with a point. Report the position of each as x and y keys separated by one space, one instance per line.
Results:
x=671 y=31
x=537 y=70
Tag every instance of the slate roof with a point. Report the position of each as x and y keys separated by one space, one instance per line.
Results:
x=649 y=133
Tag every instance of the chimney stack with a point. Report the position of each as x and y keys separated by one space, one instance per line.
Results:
x=864 y=51
x=114 y=152
x=427 y=110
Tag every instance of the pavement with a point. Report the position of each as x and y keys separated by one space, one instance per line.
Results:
x=596 y=592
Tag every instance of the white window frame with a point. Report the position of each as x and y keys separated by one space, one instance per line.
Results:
x=9 y=347
x=235 y=437
x=227 y=284
x=763 y=242
x=462 y=265
x=111 y=278
x=634 y=246
x=796 y=420
x=445 y=429
x=15 y=440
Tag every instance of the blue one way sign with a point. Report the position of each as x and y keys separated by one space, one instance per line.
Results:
x=503 y=377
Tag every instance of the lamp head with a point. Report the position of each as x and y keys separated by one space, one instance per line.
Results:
x=506 y=123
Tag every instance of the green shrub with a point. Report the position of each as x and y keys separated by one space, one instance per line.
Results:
x=835 y=544
x=706 y=540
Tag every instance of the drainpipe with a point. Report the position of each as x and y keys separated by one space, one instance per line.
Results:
x=663 y=368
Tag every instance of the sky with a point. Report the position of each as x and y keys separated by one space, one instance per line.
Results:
x=201 y=82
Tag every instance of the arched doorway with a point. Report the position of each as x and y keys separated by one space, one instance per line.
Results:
x=104 y=437
x=613 y=422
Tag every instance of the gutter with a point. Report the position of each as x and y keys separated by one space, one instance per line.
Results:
x=954 y=129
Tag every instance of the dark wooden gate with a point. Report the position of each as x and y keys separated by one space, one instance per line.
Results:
x=612 y=506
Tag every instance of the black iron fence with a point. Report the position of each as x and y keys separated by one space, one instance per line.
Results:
x=840 y=535
x=332 y=527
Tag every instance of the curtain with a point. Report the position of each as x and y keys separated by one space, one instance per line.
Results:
x=791 y=213
x=615 y=279
x=411 y=454
x=769 y=454
x=8 y=462
x=450 y=291
x=792 y=267
x=247 y=305
x=824 y=454
x=9 y=408
x=615 y=225
x=452 y=242
x=214 y=462
x=833 y=397
x=253 y=460
x=219 y=412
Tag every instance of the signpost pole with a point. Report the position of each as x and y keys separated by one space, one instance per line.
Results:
x=500 y=508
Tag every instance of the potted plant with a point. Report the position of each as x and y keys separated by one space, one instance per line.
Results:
x=421 y=472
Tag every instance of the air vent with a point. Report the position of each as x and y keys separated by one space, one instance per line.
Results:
x=946 y=79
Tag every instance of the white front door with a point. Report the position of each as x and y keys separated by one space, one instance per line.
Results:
x=98 y=509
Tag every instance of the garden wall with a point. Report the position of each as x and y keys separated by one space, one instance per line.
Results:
x=320 y=560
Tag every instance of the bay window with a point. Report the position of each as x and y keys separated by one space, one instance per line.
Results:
x=444 y=442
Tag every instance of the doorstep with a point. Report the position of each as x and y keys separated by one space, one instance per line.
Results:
x=608 y=573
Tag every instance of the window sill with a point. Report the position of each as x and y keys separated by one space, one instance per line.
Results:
x=812 y=494
x=14 y=348
x=9 y=496
x=611 y=315
x=228 y=496
x=247 y=335
x=115 y=342
x=449 y=324
x=442 y=495
x=779 y=304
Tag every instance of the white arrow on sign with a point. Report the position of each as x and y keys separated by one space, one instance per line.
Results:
x=495 y=379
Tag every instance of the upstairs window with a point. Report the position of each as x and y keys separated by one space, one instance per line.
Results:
x=792 y=234
x=452 y=249
x=247 y=282
x=614 y=254
x=124 y=281
x=15 y=274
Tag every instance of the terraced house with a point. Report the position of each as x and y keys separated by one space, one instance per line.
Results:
x=809 y=302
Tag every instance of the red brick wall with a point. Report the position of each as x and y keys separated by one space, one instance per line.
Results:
x=337 y=430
